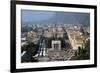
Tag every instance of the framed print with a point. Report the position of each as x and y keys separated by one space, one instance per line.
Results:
x=52 y=36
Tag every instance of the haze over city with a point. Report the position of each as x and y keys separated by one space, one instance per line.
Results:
x=51 y=17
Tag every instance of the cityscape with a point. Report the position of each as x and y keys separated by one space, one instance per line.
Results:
x=48 y=36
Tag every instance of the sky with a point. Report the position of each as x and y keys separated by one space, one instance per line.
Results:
x=45 y=17
x=35 y=16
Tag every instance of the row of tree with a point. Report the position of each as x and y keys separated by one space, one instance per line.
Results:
x=83 y=53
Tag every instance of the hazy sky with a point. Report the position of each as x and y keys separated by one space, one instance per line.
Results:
x=44 y=17
x=34 y=16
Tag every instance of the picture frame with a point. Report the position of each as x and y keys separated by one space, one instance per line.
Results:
x=18 y=15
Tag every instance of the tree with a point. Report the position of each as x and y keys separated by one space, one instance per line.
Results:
x=79 y=50
x=31 y=50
